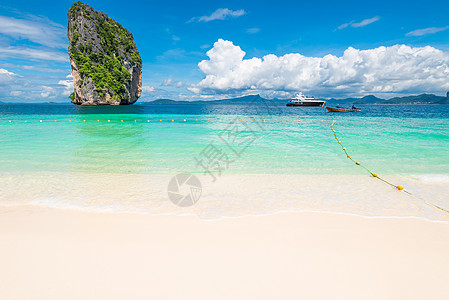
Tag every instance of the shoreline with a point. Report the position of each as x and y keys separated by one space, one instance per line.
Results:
x=71 y=254
x=5 y=208
x=229 y=196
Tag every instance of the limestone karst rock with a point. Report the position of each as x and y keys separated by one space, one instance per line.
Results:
x=106 y=65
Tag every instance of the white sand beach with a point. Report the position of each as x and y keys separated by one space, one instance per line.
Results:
x=67 y=254
x=229 y=196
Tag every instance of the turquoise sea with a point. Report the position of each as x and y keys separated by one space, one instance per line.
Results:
x=166 y=139
x=214 y=141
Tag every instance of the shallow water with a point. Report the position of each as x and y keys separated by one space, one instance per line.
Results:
x=214 y=141
x=292 y=140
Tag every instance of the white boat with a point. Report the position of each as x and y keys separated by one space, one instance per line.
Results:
x=301 y=100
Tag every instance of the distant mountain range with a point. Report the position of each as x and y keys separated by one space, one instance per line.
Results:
x=370 y=99
x=420 y=99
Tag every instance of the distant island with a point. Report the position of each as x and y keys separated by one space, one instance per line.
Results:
x=417 y=99
x=370 y=99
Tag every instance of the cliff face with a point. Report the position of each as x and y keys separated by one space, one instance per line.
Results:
x=106 y=65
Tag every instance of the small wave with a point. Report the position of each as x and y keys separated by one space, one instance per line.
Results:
x=436 y=178
x=81 y=205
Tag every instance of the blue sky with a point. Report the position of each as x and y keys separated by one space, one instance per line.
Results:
x=272 y=48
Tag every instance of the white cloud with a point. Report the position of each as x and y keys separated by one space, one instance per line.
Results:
x=205 y=46
x=220 y=14
x=68 y=85
x=33 y=53
x=167 y=82
x=15 y=93
x=342 y=26
x=19 y=32
x=148 y=89
x=252 y=30
x=37 y=30
x=171 y=82
x=5 y=76
x=395 y=69
x=362 y=23
x=425 y=31
x=47 y=92
x=15 y=87
x=365 y=22
x=10 y=84
x=5 y=72
x=39 y=67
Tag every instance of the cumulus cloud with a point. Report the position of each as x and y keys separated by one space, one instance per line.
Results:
x=220 y=14
x=395 y=69
x=5 y=76
x=47 y=92
x=148 y=89
x=167 y=82
x=426 y=31
x=6 y=72
x=16 y=87
x=171 y=82
x=10 y=84
x=362 y=23
x=37 y=30
x=68 y=85
x=60 y=91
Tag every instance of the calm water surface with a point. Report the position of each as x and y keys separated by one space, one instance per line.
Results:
x=245 y=139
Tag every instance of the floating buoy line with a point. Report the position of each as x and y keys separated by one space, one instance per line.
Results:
x=375 y=175
x=165 y=120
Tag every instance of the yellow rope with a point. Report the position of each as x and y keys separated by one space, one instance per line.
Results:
x=398 y=187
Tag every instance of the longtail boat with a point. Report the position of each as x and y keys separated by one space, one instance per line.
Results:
x=332 y=109
x=341 y=109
